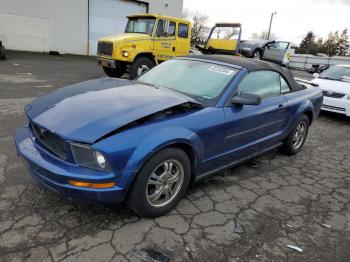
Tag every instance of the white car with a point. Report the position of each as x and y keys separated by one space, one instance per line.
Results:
x=335 y=84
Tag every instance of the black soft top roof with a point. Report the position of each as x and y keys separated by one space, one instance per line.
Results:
x=253 y=65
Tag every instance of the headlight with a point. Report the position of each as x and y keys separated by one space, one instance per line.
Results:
x=348 y=97
x=246 y=48
x=125 y=53
x=85 y=156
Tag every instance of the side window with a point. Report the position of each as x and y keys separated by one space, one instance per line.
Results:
x=284 y=86
x=282 y=45
x=263 y=83
x=183 y=31
x=171 y=28
x=160 y=28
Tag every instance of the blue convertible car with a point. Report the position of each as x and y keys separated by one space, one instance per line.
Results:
x=145 y=141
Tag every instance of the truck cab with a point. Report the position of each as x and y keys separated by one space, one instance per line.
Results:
x=148 y=39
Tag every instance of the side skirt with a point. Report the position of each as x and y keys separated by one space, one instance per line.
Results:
x=235 y=163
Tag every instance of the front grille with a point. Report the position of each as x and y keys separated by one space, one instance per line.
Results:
x=104 y=48
x=51 y=141
x=333 y=108
x=333 y=94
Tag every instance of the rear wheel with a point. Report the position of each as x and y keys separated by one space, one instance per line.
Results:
x=161 y=183
x=140 y=66
x=297 y=137
x=114 y=72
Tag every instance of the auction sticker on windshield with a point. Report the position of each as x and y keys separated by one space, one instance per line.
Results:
x=221 y=70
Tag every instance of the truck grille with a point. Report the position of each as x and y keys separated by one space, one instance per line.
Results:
x=49 y=140
x=333 y=94
x=104 y=48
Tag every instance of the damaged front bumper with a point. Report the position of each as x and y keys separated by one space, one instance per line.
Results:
x=55 y=173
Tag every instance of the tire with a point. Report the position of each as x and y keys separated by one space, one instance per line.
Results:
x=257 y=54
x=142 y=198
x=140 y=66
x=111 y=72
x=2 y=53
x=290 y=146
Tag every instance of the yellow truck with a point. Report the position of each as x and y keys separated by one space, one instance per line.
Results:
x=148 y=40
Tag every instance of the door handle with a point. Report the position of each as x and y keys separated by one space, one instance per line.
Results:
x=281 y=105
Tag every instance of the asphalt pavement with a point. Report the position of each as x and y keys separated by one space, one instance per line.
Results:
x=249 y=213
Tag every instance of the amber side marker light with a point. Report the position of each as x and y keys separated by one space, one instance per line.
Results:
x=91 y=185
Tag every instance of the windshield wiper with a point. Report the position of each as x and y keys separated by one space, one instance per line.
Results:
x=329 y=78
x=149 y=84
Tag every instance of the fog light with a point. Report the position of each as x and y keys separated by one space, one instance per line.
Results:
x=125 y=53
x=100 y=159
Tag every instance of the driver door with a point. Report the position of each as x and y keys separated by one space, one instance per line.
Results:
x=251 y=129
x=164 y=40
x=275 y=52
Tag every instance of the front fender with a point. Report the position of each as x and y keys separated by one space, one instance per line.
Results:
x=158 y=140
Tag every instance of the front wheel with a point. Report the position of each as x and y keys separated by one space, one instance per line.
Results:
x=257 y=55
x=296 y=139
x=161 y=183
x=114 y=72
x=140 y=66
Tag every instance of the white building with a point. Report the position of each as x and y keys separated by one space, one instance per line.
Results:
x=71 y=26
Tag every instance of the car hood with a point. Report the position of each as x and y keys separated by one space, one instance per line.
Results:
x=89 y=110
x=332 y=85
x=125 y=37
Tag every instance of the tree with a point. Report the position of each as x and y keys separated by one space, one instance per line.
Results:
x=334 y=44
x=331 y=44
x=224 y=32
x=343 y=43
x=199 y=29
x=263 y=36
x=308 y=45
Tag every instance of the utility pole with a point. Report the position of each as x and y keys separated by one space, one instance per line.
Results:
x=269 y=32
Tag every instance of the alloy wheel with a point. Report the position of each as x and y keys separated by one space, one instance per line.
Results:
x=164 y=183
x=299 y=135
x=257 y=55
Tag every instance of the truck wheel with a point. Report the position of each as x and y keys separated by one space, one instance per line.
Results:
x=2 y=53
x=111 y=72
x=296 y=139
x=161 y=183
x=140 y=66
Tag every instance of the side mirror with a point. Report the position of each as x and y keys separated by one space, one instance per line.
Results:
x=315 y=75
x=246 y=99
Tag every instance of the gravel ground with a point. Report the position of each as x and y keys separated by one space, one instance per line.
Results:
x=249 y=213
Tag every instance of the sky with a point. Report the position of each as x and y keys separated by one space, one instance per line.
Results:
x=293 y=20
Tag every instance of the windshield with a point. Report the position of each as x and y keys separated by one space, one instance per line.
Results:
x=200 y=80
x=339 y=73
x=140 y=25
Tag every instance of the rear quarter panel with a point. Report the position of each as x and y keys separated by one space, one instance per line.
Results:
x=299 y=102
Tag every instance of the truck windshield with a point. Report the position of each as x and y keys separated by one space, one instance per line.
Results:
x=140 y=25
x=202 y=81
